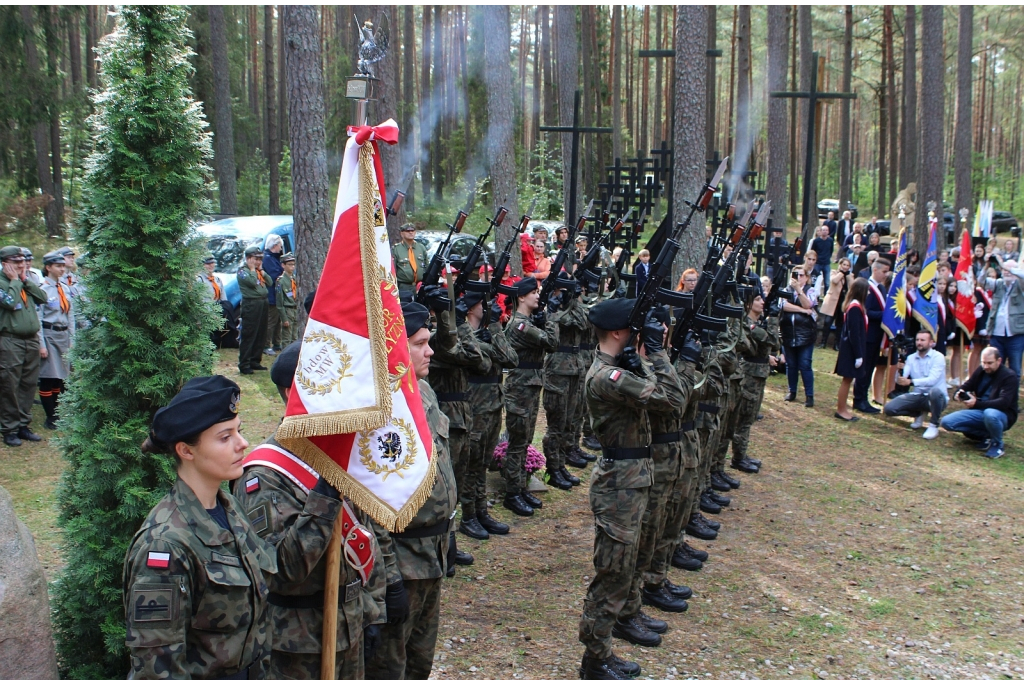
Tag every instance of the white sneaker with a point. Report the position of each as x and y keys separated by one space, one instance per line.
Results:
x=931 y=433
x=956 y=382
x=918 y=422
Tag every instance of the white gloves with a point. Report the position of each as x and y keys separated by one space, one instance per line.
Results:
x=857 y=363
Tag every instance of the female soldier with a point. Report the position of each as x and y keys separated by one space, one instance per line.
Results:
x=759 y=343
x=58 y=327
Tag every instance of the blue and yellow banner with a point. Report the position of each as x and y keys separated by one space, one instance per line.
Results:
x=895 y=315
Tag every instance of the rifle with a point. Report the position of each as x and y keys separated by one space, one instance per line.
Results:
x=625 y=254
x=780 y=277
x=398 y=199
x=742 y=240
x=589 y=262
x=559 y=261
x=469 y=264
x=432 y=276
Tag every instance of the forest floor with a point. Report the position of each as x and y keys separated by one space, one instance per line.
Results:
x=860 y=551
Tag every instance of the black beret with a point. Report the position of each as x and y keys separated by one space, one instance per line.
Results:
x=416 y=317
x=201 y=403
x=308 y=302
x=472 y=299
x=525 y=286
x=612 y=315
x=282 y=371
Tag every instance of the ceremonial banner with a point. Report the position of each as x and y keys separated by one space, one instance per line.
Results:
x=983 y=219
x=964 y=275
x=355 y=414
x=894 y=317
x=926 y=307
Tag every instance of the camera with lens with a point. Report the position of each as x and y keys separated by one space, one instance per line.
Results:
x=904 y=347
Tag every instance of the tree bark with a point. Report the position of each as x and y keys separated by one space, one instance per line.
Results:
x=386 y=107
x=312 y=207
x=501 y=121
x=39 y=127
x=270 y=95
x=659 y=71
x=588 y=157
x=932 y=171
x=74 y=25
x=546 y=56
x=90 y=44
x=52 y=32
x=711 y=132
x=426 y=109
x=567 y=66
x=744 y=142
x=537 y=70
x=223 y=137
x=690 y=169
x=794 y=145
x=892 y=154
x=778 y=112
x=844 y=121
x=962 y=152
x=883 y=133
x=437 y=104
x=806 y=52
x=617 y=151
x=409 y=98
x=908 y=142
x=282 y=86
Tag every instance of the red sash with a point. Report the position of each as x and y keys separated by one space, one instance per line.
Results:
x=859 y=306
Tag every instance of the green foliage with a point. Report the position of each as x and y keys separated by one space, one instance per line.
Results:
x=146 y=180
x=544 y=183
x=254 y=185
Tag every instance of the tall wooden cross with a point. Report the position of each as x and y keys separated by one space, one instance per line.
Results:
x=812 y=97
x=575 y=130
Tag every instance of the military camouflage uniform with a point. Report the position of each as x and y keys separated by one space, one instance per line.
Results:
x=619 y=402
x=450 y=369
x=681 y=498
x=588 y=343
x=487 y=398
x=253 y=286
x=522 y=392
x=755 y=347
x=729 y=359
x=195 y=594
x=417 y=556
x=299 y=526
x=288 y=307
x=709 y=403
x=562 y=371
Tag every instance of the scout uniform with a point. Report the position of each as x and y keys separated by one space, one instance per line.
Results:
x=287 y=288
x=213 y=287
x=55 y=334
x=253 y=285
x=410 y=262
x=619 y=400
x=19 y=350
x=414 y=560
x=522 y=397
x=73 y=282
x=757 y=344
x=195 y=591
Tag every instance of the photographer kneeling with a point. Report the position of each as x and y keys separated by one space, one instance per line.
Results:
x=990 y=395
x=926 y=371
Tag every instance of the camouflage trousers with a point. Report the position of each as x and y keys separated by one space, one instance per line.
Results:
x=580 y=423
x=348 y=665
x=289 y=333
x=727 y=424
x=618 y=515
x=458 y=448
x=482 y=441
x=707 y=431
x=407 y=649
x=652 y=525
x=521 y=422
x=751 y=394
x=561 y=397
x=676 y=517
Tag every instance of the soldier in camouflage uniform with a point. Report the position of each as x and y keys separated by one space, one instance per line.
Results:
x=195 y=591
x=729 y=359
x=562 y=393
x=581 y=419
x=709 y=400
x=487 y=398
x=759 y=342
x=620 y=390
x=414 y=559
x=252 y=284
x=532 y=334
x=287 y=300
x=285 y=513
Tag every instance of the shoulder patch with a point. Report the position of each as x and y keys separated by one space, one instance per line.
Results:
x=158 y=560
x=260 y=518
x=615 y=375
x=521 y=326
x=154 y=602
x=252 y=485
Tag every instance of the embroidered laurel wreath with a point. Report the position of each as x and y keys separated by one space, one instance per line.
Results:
x=390 y=448
x=344 y=361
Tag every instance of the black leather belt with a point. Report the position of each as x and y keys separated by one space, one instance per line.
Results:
x=666 y=438
x=424 y=532
x=571 y=349
x=54 y=327
x=707 y=408
x=452 y=396
x=530 y=365
x=485 y=379
x=586 y=346
x=624 y=453
x=756 y=360
x=315 y=600
x=686 y=427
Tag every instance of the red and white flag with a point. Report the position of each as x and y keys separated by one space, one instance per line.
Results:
x=355 y=414
x=964 y=275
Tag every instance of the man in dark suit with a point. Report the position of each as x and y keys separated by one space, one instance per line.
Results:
x=990 y=395
x=874 y=307
x=643 y=269
x=830 y=221
x=844 y=227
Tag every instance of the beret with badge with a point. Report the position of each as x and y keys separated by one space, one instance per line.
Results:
x=611 y=315
x=416 y=317
x=202 y=402
x=525 y=286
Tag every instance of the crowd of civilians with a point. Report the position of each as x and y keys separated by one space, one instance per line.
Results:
x=838 y=296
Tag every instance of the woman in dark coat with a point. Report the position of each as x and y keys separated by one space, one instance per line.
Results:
x=852 y=345
x=799 y=330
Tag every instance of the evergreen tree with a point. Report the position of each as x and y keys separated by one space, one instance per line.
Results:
x=146 y=181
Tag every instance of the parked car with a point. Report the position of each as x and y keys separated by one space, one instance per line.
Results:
x=1004 y=221
x=461 y=245
x=228 y=238
x=830 y=205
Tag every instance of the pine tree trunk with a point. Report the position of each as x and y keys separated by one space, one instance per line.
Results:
x=690 y=110
x=932 y=104
x=52 y=31
x=567 y=67
x=659 y=74
x=40 y=128
x=908 y=143
x=617 y=151
x=778 y=112
x=312 y=205
x=794 y=145
x=436 y=143
x=844 y=121
x=537 y=70
x=893 y=152
x=730 y=131
x=645 y=86
x=962 y=136
x=426 y=109
x=387 y=107
x=740 y=163
x=588 y=158
x=501 y=154
x=223 y=138
x=883 y=134
x=282 y=86
x=409 y=100
x=90 y=45
x=74 y=26
x=273 y=142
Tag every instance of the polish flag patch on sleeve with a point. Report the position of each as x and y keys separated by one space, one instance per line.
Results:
x=252 y=485
x=521 y=326
x=158 y=560
x=614 y=375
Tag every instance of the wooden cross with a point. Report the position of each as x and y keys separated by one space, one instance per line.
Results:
x=812 y=97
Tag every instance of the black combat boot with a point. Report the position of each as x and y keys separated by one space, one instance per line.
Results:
x=574 y=460
x=490 y=524
x=694 y=552
x=11 y=439
x=684 y=561
x=601 y=669
x=713 y=525
x=568 y=476
x=25 y=433
x=720 y=500
x=708 y=505
x=591 y=443
x=680 y=591
x=531 y=499
x=660 y=598
x=733 y=483
x=557 y=480
x=755 y=462
x=585 y=456
x=517 y=505
x=745 y=465
x=633 y=630
x=471 y=527
x=719 y=483
x=457 y=556
x=698 y=530
x=655 y=625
